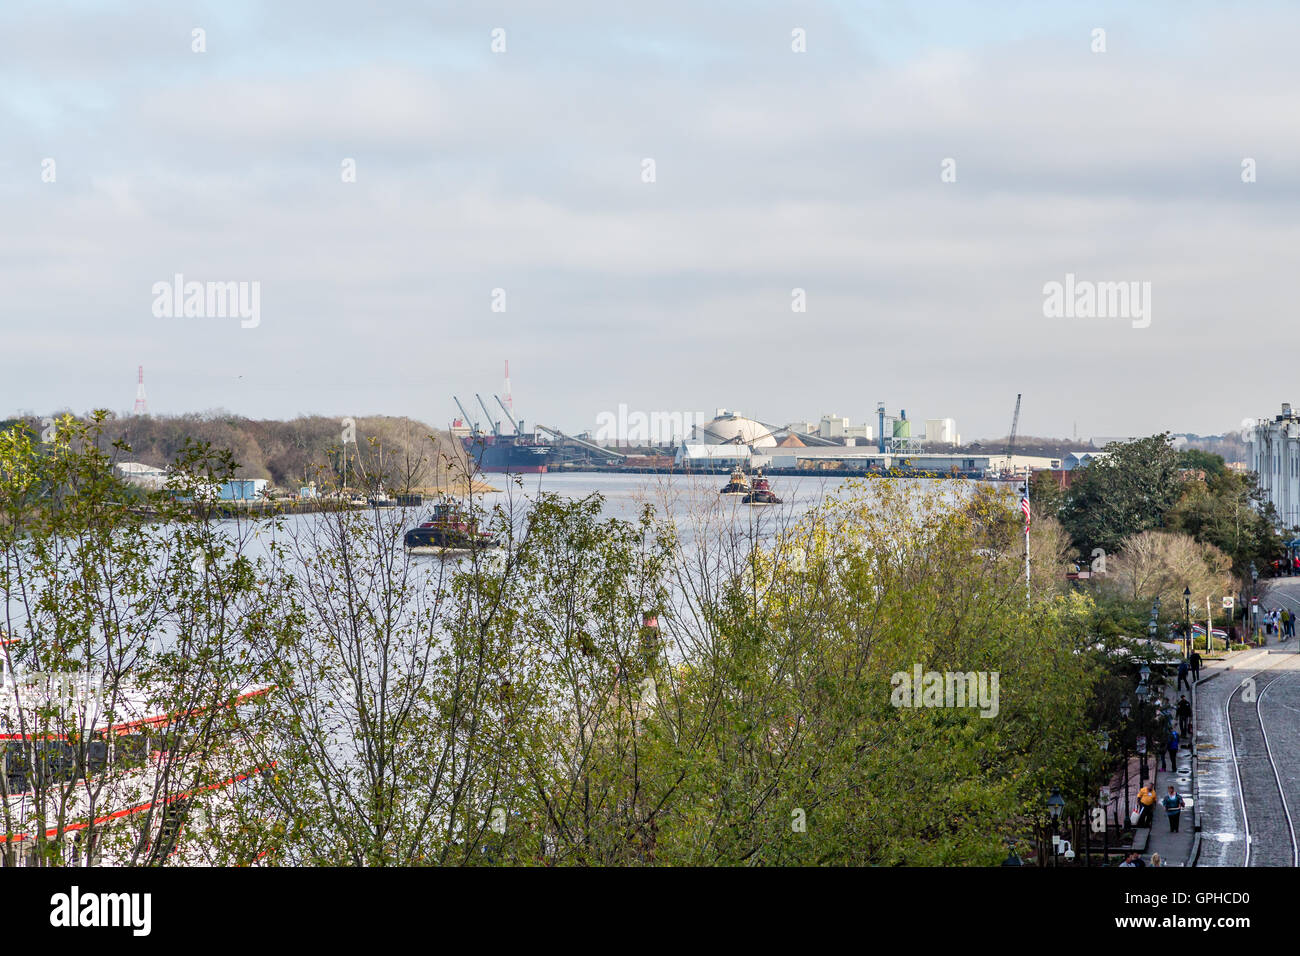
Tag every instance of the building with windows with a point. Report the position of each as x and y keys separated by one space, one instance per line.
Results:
x=1275 y=458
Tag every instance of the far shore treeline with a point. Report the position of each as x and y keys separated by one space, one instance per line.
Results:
x=407 y=452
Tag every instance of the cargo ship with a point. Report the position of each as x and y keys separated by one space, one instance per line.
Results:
x=508 y=453
x=517 y=453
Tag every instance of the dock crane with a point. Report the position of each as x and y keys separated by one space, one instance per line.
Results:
x=473 y=426
x=1011 y=437
x=514 y=424
x=496 y=426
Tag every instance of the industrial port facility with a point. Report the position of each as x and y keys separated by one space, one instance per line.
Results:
x=729 y=440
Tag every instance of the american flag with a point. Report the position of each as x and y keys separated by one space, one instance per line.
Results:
x=1024 y=506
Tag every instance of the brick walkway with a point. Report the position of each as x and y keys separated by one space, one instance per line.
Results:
x=1174 y=848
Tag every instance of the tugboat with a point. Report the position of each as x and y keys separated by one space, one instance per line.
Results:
x=738 y=485
x=761 y=493
x=449 y=531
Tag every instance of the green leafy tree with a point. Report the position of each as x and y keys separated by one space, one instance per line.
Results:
x=1195 y=459
x=1229 y=511
x=1128 y=491
x=1046 y=495
x=122 y=647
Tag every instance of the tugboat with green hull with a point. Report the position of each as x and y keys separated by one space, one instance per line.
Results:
x=760 y=492
x=449 y=532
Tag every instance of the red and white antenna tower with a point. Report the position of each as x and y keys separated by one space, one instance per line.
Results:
x=510 y=402
x=141 y=401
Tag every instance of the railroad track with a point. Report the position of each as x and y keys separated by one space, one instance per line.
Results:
x=1270 y=829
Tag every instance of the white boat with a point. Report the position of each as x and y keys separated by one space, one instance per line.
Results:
x=105 y=772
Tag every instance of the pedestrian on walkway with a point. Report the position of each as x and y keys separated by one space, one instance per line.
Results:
x=1173 y=803
x=1184 y=715
x=1195 y=661
x=1147 y=802
x=1155 y=860
x=1173 y=750
x=1182 y=676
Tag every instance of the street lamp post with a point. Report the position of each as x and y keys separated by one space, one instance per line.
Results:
x=1055 y=804
x=1187 y=612
x=1254 y=591
x=1142 y=693
x=1105 y=833
x=1125 y=709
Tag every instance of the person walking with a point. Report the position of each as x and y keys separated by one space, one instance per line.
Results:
x=1182 y=676
x=1173 y=804
x=1147 y=802
x=1195 y=661
x=1184 y=710
x=1173 y=750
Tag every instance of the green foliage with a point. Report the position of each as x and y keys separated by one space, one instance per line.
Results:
x=598 y=692
x=1045 y=494
x=1144 y=485
x=1229 y=511
x=1194 y=459
x=1128 y=491
x=139 y=617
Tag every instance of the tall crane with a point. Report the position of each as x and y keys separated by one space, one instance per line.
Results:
x=514 y=423
x=1011 y=437
x=472 y=425
x=496 y=426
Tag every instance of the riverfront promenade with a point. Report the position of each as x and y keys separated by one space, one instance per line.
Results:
x=1247 y=762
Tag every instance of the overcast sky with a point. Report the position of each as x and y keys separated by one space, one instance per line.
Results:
x=774 y=170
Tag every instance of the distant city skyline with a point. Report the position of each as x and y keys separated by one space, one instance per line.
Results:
x=787 y=209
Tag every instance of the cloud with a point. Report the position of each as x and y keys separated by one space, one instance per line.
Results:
x=774 y=170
